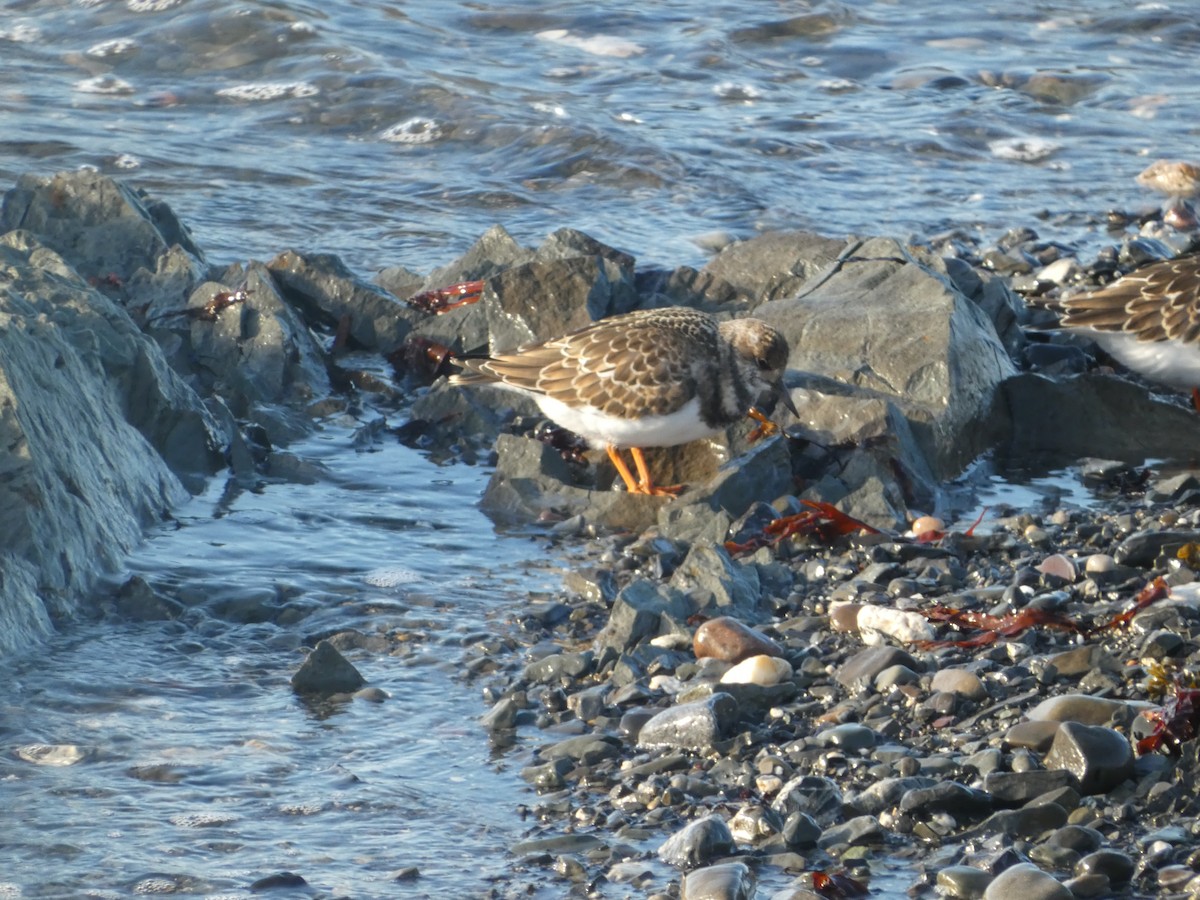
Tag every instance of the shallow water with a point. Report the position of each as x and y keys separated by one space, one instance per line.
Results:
x=175 y=758
x=397 y=133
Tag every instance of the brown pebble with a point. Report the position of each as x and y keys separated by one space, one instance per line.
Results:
x=1059 y=566
x=844 y=617
x=728 y=639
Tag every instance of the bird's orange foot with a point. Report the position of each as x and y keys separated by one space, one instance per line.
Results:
x=1196 y=399
x=766 y=428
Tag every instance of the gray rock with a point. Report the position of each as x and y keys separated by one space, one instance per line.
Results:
x=539 y=300
x=962 y=882
x=774 y=265
x=1021 y=787
x=495 y=251
x=946 y=796
x=1114 y=865
x=637 y=612
x=104 y=230
x=1028 y=822
x=1081 y=708
x=715 y=584
x=1090 y=411
x=690 y=726
x=959 y=681
x=1101 y=758
x=325 y=671
x=886 y=320
x=725 y=881
x=697 y=843
x=89 y=411
x=862 y=668
x=587 y=749
x=502 y=716
x=1025 y=881
x=887 y=792
x=325 y=292
x=856 y=831
x=813 y=795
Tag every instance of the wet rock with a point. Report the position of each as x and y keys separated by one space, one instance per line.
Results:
x=855 y=832
x=726 y=881
x=96 y=421
x=325 y=672
x=962 y=882
x=715 y=583
x=949 y=797
x=774 y=265
x=1028 y=822
x=1099 y=757
x=1025 y=881
x=284 y=880
x=105 y=230
x=690 y=726
x=850 y=736
x=812 y=795
x=730 y=640
x=1114 y=865
x=697 y=843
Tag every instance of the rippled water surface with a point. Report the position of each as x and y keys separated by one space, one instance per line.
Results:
x=174 y=757
x=397 y=132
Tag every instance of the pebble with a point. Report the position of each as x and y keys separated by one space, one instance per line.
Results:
x=730 y=640
x=959 y=681
x=1100 y=757
x=761 y=670
x=697 y=843
x=690 y=726
x=1025 y=881
x=726 y=881
x=900 y=625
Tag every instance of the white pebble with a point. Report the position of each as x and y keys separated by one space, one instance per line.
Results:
x=1099 y=562
x=761 y=670
x=900 y=625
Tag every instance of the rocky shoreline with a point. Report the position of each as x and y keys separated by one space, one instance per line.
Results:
x=709 y=709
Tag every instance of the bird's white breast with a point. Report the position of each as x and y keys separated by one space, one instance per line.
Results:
x=680 y=427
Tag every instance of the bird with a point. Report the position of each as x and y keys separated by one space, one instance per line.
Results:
x=648 y=378
x=1148 y=320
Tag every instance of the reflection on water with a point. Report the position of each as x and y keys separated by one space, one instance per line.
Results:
x=173 y=756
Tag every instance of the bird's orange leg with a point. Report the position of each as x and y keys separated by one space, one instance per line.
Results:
x=645 y=484
x=623 y=470
x=1196 y=399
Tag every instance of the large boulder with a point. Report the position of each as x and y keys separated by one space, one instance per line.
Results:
x=92 y=423
x=887 y=322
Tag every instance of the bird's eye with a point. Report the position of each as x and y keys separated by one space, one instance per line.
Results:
x=763 y=364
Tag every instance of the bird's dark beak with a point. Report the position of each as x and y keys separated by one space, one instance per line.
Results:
x=783 y=394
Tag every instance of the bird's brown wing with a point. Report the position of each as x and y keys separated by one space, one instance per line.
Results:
x=1157 y=302
x=628 y=366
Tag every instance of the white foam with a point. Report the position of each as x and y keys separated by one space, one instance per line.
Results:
x=269 y=90
x=413 y=131
x=596 y=44
x=1024 y=149
x=104 y=84
x=115 y=47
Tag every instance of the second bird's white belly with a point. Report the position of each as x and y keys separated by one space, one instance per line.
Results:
x=1168 y=362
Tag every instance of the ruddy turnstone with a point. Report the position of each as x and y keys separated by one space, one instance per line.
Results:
x=1149 y=320
x=651 y=378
